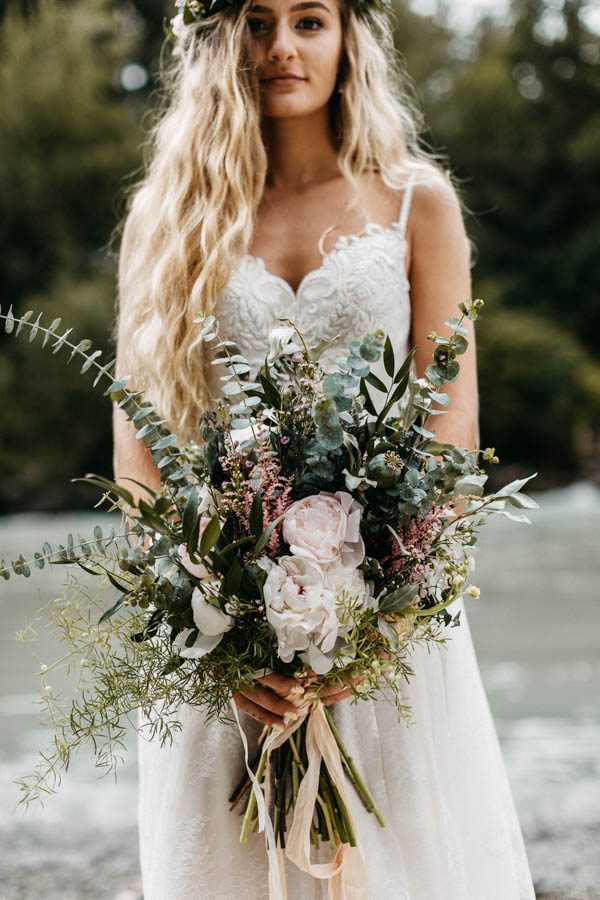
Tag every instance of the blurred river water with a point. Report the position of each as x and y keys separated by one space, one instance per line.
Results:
x=537 y=632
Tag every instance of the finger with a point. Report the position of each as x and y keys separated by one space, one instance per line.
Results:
x=262 y=696
x=330 y=689
x=281 y=684
x=335 y=698
x=257 y=712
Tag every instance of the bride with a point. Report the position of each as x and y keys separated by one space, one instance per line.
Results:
x=285 y=180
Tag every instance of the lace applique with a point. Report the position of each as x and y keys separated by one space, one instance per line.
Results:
x=361 y=285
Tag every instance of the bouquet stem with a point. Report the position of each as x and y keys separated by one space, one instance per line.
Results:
x=331 y=821
x=353 y=773
x=250 y=809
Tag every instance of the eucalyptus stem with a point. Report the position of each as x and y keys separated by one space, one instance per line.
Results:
x=324 y=806
x=336 y=813
x=295 y=779
x=281 y=796
x=328 y=815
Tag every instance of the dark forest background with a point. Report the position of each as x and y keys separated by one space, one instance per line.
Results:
x=514 y=105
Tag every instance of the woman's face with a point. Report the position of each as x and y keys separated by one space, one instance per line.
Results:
x=300 y=39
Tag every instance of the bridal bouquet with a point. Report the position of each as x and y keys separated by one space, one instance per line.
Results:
x=317 y=529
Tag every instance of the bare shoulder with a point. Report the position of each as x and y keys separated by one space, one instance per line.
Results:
x=435 y=227
x=435 y=202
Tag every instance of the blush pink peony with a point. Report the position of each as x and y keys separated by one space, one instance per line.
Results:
x=325 y=527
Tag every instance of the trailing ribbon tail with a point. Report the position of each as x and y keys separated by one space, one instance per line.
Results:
x=277 y=879
x=347 y=872
x=277 y=884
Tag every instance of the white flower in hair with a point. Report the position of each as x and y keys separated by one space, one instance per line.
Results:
x=178 y=27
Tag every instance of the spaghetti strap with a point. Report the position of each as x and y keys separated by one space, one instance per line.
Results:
x=405 y=208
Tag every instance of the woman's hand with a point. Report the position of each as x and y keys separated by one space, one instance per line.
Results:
x=265 y=700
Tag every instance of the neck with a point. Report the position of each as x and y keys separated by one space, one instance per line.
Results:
x=300 y=150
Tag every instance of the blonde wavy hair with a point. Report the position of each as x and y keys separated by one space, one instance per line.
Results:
x=192 y=216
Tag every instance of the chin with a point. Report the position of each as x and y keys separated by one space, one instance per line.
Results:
x=283 y=110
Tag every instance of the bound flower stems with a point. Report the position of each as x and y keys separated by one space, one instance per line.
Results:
x=332 y=821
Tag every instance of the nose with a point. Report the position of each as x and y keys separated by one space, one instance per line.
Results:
x=282 y=45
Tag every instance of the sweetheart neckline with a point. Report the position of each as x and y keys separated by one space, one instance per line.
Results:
x=371 y=229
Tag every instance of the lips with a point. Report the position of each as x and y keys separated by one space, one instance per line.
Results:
x=283 y=77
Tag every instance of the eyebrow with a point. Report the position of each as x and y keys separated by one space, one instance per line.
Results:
x=306 y=4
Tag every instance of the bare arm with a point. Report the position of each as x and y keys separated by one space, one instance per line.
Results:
x=130 y=456
x=440 y=279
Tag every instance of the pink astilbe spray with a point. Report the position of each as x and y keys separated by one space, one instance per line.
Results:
x=265 y=475
x=275 y=490
x=417 y=537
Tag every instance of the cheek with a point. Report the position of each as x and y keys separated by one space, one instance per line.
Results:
x=329 y=62
x=256 y=54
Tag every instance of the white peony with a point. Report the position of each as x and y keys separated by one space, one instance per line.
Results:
x=341 y=578
x=300 y=608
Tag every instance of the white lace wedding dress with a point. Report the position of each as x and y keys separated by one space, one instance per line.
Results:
x=452 y=831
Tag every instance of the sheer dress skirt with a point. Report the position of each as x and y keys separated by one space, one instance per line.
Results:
x=451 y=833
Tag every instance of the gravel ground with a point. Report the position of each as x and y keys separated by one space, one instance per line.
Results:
x=97 y=866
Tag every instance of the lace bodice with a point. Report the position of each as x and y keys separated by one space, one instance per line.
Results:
x=361 y=285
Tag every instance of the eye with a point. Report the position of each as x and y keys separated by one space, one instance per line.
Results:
x=254 y=24
x=312 y=20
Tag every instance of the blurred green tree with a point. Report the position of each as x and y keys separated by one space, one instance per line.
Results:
x=520 y=119
x=513 y=106
x=67 y=143
x=540 y=394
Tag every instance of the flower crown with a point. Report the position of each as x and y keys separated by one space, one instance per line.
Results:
x=189 y=12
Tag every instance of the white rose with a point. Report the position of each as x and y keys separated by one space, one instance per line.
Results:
x=300 y=608
x=211 y=622
x=283 y=341
x=201 y=646
x=198 y=570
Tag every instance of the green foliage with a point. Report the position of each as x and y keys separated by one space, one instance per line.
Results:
x=51 y=425
x=67 y=139
x=540 y=391
x=520 y=121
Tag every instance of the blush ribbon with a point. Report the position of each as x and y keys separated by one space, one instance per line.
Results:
x=346 y=873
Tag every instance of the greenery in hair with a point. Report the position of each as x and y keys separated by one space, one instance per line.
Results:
x=190 y=12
